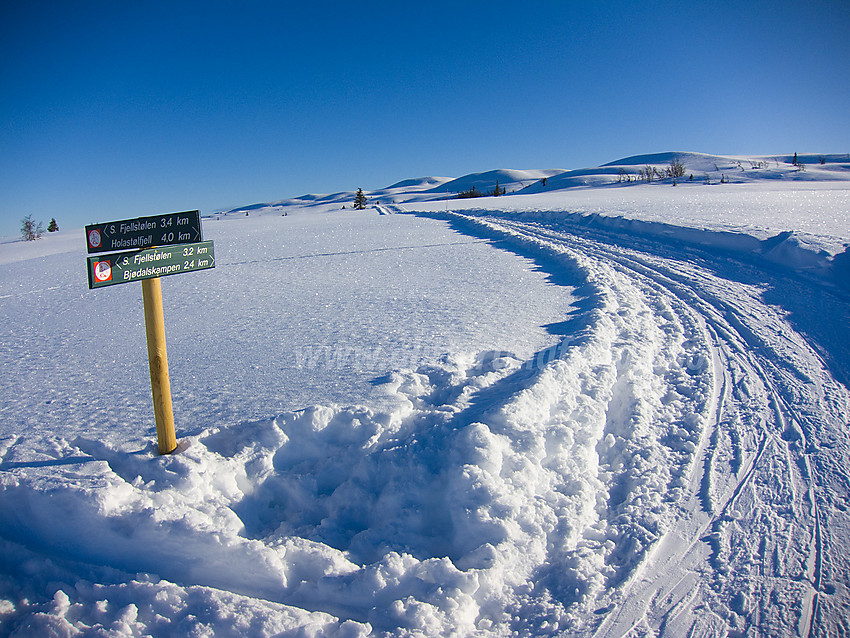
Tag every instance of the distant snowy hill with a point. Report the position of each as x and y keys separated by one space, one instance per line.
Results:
x=808 y=167
x=700 y=168
x=510 y=180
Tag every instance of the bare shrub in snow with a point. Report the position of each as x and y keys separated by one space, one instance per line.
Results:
x=676 y=169
x=31 y=229
x=471 y=193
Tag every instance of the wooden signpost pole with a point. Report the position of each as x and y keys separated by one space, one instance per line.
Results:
x=158 y=362
x=152 y=247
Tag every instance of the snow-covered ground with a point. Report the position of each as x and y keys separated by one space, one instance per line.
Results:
x=595 y=409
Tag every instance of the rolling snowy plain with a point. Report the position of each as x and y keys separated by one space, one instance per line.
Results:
x=590 y=407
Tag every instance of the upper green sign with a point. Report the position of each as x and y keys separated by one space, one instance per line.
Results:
x=144 y=232
x=119 y=268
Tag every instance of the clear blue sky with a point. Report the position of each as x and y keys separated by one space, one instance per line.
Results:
x=115 y=109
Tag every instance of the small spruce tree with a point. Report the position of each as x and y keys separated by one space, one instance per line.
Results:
x=53 y=227
x=360 y=200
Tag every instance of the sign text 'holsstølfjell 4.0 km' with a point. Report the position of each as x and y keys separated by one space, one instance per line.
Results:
x=119 y=268
x=144 y=232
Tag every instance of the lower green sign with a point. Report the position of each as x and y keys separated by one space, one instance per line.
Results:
x=120 y=268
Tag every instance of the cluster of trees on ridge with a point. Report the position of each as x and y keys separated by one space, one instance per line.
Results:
x=32 y=230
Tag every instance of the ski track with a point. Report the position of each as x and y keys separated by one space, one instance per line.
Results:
x=676 y=465
x=737 y=325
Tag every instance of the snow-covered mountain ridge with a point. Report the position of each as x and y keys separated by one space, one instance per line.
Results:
x=698 y=167
x=789 y=210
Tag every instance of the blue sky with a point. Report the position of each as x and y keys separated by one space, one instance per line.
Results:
x=113 y=109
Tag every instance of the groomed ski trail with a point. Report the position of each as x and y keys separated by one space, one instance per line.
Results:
x=751 y=533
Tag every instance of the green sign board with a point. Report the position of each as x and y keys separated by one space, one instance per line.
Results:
x=120 y=268
x=145 y=232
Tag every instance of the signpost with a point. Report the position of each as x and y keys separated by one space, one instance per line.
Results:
x=165 y=245
x=144 y=232
x=163 y=413
x=119 y=268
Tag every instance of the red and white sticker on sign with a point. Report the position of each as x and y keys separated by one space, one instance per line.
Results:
x=94 y=238
x=103 y=270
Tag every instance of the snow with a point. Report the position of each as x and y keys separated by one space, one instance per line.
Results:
x=510 y=180
x=591 y=411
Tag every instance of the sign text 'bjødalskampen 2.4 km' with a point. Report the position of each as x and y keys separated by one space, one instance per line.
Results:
x=119 y=268
x=144 y=232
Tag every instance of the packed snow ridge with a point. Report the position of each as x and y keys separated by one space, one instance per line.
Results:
x=595 y=406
